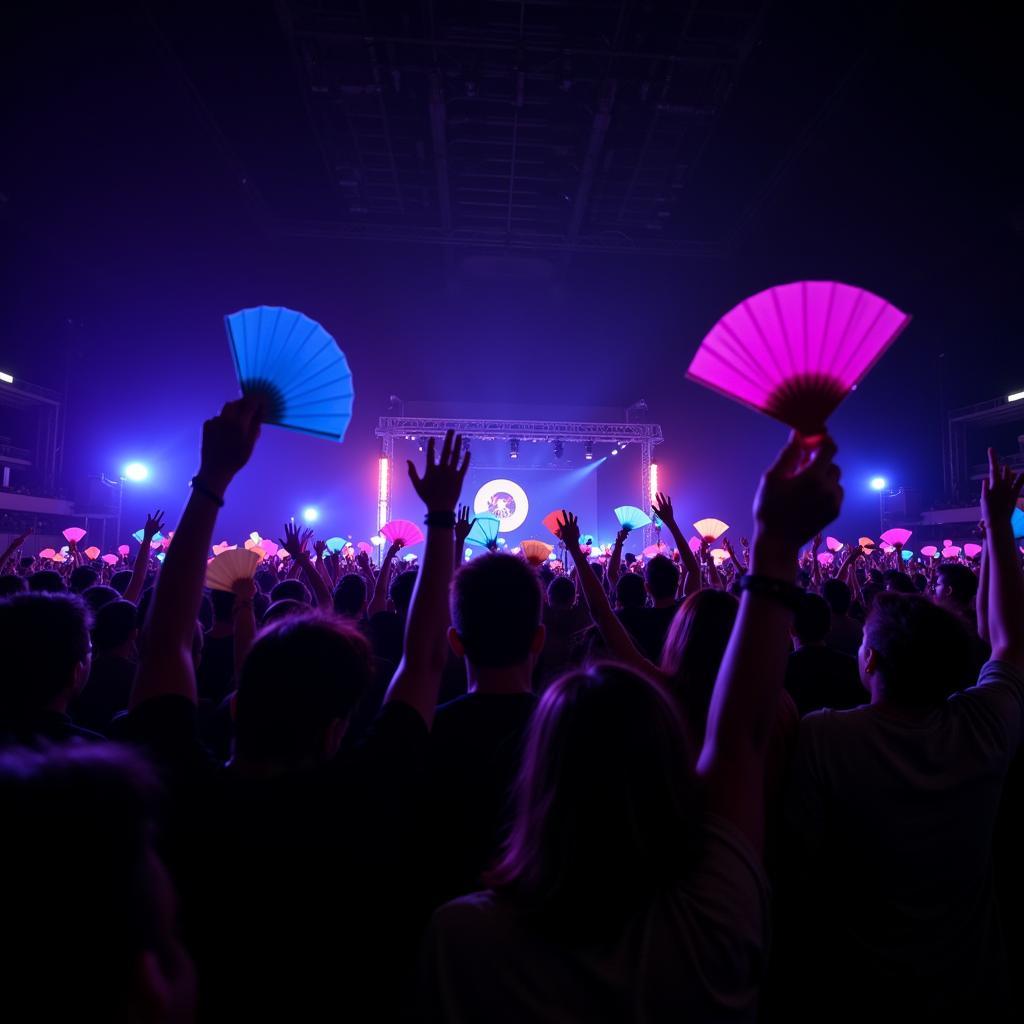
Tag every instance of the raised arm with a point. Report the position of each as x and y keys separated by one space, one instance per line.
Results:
x=379 y=601
x=418 y=677
x=165 y=667
x=296 y=544
x=737 y=562
x=999 y=494
x=691 y=568
x=615 y=562
x=981 y=605
x=798 y=496
x=154 y=525
x=615 y=634
x=244 y=620
x=12 y=548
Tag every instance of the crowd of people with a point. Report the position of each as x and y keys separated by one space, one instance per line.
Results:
x=684 y=787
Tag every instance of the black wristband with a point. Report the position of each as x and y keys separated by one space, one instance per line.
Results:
x=200 y=488
x=444 y=519
x=787 y=594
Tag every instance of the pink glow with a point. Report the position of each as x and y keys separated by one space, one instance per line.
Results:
x=795 y=351
x=110 y=559
x=972 y=550
x=655 y=549
x=897 y=536
x=929 y=551
x=47 y=553
x=123 y=549
x=833 y=544
x=401 y=530
x=92 y=553
x=950 y=551
x=826 y=557
x=694 y=544
x=73 y=534
x=365 y=548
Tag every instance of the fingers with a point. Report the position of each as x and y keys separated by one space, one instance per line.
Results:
x=430 y=453
x=413 y=475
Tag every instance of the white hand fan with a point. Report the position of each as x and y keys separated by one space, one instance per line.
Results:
x=295 y=367
x=228 y=566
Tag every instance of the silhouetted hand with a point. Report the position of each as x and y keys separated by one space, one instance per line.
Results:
x=620 y=537
x=228 y=441
x=154 y=525
x=569 y=530
x=999 y=493
x=441 y=483
x=662 y=508
x=320 y=546
x=294 y=542
x=463 y=526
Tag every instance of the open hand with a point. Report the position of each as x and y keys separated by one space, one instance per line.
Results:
x=294 y=542
x=569 y=530
x=999 y=493
x=620 y=537
x=441 y=483
x=228 y=441
x=662 y=508
x=154 y=525
x=320 y=546
x=463 y=526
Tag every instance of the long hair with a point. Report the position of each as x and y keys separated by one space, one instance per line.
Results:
x=693 y=651
x=605 y=808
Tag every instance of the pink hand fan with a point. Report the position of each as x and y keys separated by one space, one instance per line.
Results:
x=950 y=551
x=826 y=558
x=219 y=549
x=365 y=548
x=655 y=549
x=269 y=547
x=401 y=530
x=47 y=553
x=92 y=553
x=833 y=544
x=866 y=543
x=73 y=534
x=551 y=520
x=231 y=565
x=948 y=543
x=887 y=549
x=123 y=549
x=59 y=557
x=694 y=544
x=710 y=529
x=929 y=551
x=535 y=551
x=795 y=351
x=972 y=550
x=897 y=536
x=110 y=559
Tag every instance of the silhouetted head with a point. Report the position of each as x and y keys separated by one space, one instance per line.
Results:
x=12 y=585
x=115 y=625
x=897 y=582
x=956 y=587
x=630 y=591
x=401 y=590
x=82 y=577
x=98 y=596
x=350 y=596
x=120 y=580
x=838 y=596
x=291 y=590
x=812 y=620
x=561 y=592
x=47 y=581
x=662 y=578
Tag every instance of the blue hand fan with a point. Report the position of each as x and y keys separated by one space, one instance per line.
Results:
x=1017 y=522
x=139 y=534
x=295 y=366
x=335 y=543
x=907 y=555
x=485 y=531
x=631 y=518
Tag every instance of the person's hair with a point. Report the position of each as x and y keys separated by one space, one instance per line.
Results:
x=561 y=592
x=43 y=637
x=350 y=595
x=869 y=592
x=897 y=582
x=301 y=674
x=605 y=804
x=401 y=590
x=694 y=647
x=598 y=570
x=920 y=582
x=98 y=596
x=838 y=595
x=12 y=585
x=282 y=609
x=115 y=623
x=77 y=948
x=662 y=577
x=496 y=604
x=46 y=581
x=266 y=580
x=223 y=602
x=923 y=650
x=961 y=581
x=812 y=619
x=120 y=580
x=630 y=591
x=82 y=577
x=291 y=590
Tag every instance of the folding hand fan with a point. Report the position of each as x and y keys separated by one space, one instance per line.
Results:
x=269 y=547
x=536 y=551
x=551 y=520
x=123 y=549
x=694 y=544
x=336 y=543
x=866 y=543
x=710 y=529
x=59 y=557
x=47 y=553
x=719 y=555
x=631 y=518
x=897 y=536
x=228 y=566
x=655 y=549
x=295 y=367
x=364 y=548
x=401 y=530
x=485 y=530
x=795 y=351
x=73 y=534
x=826 y=557
x=906 y=555
x=138 y=535
x=161 y=556
x=972 y=550
x=1017 y=522
x=950 y=551
x=110 y=559
x=410 y=557
x=92 y=553
x=929 y=551
x=887 y=549
x=833 y=544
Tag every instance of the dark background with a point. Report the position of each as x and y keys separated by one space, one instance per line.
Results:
x=152 y=155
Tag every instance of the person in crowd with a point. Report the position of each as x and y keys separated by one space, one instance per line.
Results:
x=845 y=632
x=891 y=807
x=631 y=885
x=350 y=597
x=564 y=620
x=818 y=676
x=114 y=662
x=216 y=673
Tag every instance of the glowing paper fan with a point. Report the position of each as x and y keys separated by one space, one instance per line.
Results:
x=551 y=520
x=109 y=559
x=718 y=555
x=972 y=550
x=47 y=553
x=59 y=557
x=826 y=557
x=92 y=553
x=295 y=366
x=485 y=530
x=1017 y=522
x=123 y=549
x=535 y=551
x=410 y=557
x=796 y=350
x=336 y=543
x=694 y=544
x=887 y=548
x=907 y=555
x=269 y=547
x=950 y=551
x=402 y=530
x=632 y=518
x=710 y=529
x=228 y=566
x=866 y=543
x=897 y=536
x=929 y=551
x=833 y=544
x=219 y=549
x=363 y=547
x=73 y=534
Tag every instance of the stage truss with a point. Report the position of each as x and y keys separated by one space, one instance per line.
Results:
x=392 y=428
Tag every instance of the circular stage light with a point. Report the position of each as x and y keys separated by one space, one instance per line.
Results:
x=504 y=499
x=136 y=471
x=311 y=514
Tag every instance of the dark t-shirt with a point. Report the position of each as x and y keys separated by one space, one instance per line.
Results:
x=43 y=727
x=216 y=672
x=106 y=693
x=475 y=752
x=648 y=627
x=819 y=677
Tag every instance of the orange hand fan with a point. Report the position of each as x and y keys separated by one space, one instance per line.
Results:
x=92 y=553
x=535 y=551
